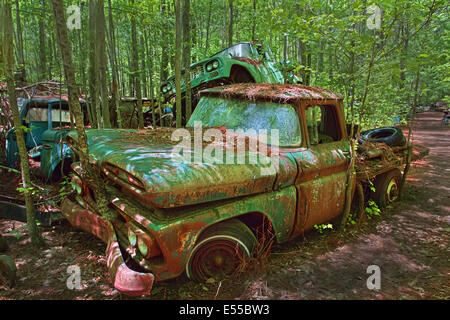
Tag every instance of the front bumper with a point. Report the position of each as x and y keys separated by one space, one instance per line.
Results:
x=125 y=280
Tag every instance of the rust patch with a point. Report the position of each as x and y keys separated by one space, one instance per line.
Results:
x=254 y=62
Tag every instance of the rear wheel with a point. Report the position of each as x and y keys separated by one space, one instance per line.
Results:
x=220 y=250
x=387 y=187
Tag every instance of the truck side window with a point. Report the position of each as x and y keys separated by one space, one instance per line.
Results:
x=322 y=125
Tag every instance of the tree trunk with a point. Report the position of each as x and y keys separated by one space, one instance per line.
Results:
x=8 y=56
x=208 y=27
x=230 y=24
x=115 y=80
x=178 y=63
x=150 y=53
x=50 y=46
x=42 y=45
x=353 y=142
x=255 y=19
x=82 y=146
x=143 y=69
x=101 y=56
x=135 y=70
x=20 y=53
x=411 y=122
x=164 y=47
x=187 y=57
x=403 y=55
x=93 y=83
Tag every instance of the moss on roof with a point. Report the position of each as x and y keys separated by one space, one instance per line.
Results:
x=283 y=93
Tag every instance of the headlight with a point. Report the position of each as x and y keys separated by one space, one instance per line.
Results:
x=142 y=246
x=212 y=65
x=166 y=88
x=132 y=238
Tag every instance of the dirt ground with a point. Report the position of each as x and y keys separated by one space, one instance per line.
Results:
x=409 y=243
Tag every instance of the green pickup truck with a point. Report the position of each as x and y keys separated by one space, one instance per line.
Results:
x=241 y=63
x=255 y=162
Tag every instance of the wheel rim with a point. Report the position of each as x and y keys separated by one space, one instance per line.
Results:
x=217 y=258
x=392 y=191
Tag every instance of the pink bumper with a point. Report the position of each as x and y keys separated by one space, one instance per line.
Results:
x=126 y=281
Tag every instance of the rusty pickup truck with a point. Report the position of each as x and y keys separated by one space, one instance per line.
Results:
x=255 y=161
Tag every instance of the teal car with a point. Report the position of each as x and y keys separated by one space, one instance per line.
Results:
x=47 y=121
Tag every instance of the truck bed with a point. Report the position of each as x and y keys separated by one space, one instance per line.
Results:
x=377 y=158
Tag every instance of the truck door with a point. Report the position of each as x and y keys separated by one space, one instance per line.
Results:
x=321 y=182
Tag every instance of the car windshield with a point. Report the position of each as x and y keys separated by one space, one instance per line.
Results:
x=41 y=114
x=240 y=50
x=250 y=116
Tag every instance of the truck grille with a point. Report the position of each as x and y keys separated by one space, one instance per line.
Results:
x=196 y=71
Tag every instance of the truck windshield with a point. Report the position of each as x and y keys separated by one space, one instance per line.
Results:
x=41 y=114
x=250 y=116
x=240 y=50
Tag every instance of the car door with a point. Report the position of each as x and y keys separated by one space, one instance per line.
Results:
x=321 y=182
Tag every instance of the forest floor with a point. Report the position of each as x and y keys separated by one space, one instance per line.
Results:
x=409 y=242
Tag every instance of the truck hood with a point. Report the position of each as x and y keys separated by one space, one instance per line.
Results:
x=144 y=163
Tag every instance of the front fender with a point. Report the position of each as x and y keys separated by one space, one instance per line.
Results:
x=254 y=72
x=51 y=156
x=178 y=237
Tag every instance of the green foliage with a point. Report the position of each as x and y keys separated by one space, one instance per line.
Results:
x=68 y=187
x=351 y=219
x=328 y=43
x=372 y=209
x=30 y=190
x=17 y=233
x=323 y=227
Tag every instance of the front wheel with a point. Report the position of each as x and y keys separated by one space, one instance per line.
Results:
x=220 y=250
x=387 y=187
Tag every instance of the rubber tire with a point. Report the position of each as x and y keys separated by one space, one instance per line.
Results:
x=7 y=271
x=381 y=185
x=395 y=139
x=233 y=230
